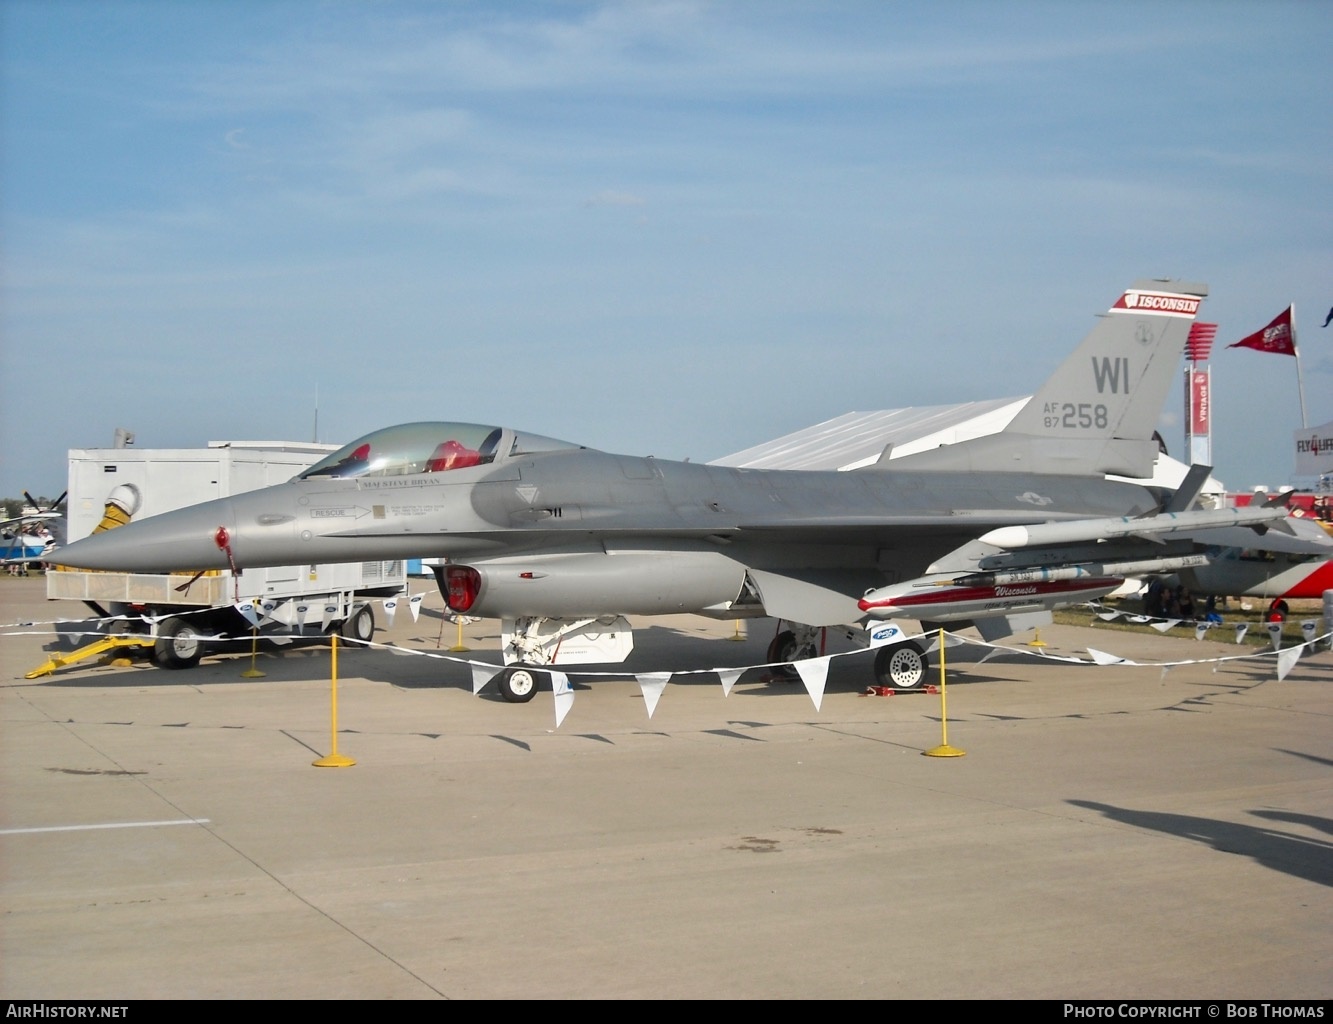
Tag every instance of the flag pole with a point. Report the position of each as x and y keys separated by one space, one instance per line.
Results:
x=1300 y=379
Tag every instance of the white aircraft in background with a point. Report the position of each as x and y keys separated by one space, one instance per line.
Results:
x=25 y=538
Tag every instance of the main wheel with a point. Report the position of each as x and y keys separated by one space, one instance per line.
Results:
x=517 y=685
x=784 y=647
x=900 y=666
x=1278 y=611
x=360 y=625
x=177 y=644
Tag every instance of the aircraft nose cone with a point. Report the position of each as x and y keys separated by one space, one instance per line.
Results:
x=181 y=541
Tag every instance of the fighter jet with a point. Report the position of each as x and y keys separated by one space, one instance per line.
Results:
x=561 y=541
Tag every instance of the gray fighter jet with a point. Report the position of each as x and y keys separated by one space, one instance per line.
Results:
x=561 y=542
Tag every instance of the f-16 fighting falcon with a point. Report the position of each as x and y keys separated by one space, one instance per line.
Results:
x=561 y=541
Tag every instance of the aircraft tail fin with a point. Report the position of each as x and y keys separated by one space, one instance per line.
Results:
x=1098 y=412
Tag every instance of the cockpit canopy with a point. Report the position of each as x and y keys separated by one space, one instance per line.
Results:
x=413 y=448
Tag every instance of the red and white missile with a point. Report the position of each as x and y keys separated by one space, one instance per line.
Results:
x=941 y=599
x=946 y=597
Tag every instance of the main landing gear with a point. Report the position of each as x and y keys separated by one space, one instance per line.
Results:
x=898 y=666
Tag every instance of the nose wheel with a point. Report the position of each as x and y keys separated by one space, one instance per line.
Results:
x=518 y=685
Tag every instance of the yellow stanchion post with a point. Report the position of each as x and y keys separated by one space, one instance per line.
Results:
x=460 y=646
x=334 y=759
x=737 y=635
x=252 y=672
x=1037 y=641
x=943 y=750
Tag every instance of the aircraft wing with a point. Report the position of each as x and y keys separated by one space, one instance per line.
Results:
x=31 y=517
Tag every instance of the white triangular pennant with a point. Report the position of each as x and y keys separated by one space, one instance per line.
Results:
x=1274 y=634
x=390 y=606
x=1108 y=616
x=1102 y=658
x=266 y=609
x=481 y=675
x=1286 y=661
x=1241 y=629
x=1307 y=630
x=814 y=673
x=301 y=611
x=1164 y=625
x=247 y=608
x=414 y=603
x=1200 y=628
x=991 y=651
x=564 y=696
x=652 y=684
x=729 y=677
x=330 y=612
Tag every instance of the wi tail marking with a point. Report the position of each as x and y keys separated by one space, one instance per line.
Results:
x=1109 y=371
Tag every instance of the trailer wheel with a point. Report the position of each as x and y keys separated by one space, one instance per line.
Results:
x=177 y=644
x=360 y=625
x=517 y=685
x=900 y=666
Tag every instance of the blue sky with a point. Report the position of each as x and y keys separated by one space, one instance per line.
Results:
x=676 y=228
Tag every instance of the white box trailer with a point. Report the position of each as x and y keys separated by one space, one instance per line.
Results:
x=308 y=600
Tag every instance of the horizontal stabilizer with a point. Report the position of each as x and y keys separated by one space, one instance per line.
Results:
x=1189 y=489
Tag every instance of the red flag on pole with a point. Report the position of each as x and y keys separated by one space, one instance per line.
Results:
x=1278 y=337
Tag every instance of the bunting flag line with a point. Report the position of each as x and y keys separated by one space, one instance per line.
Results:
x=812 y=672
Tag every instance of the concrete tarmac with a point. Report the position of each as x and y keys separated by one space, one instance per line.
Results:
x=1109 y=833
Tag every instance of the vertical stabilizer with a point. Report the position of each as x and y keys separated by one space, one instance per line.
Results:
x=1097 y=413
